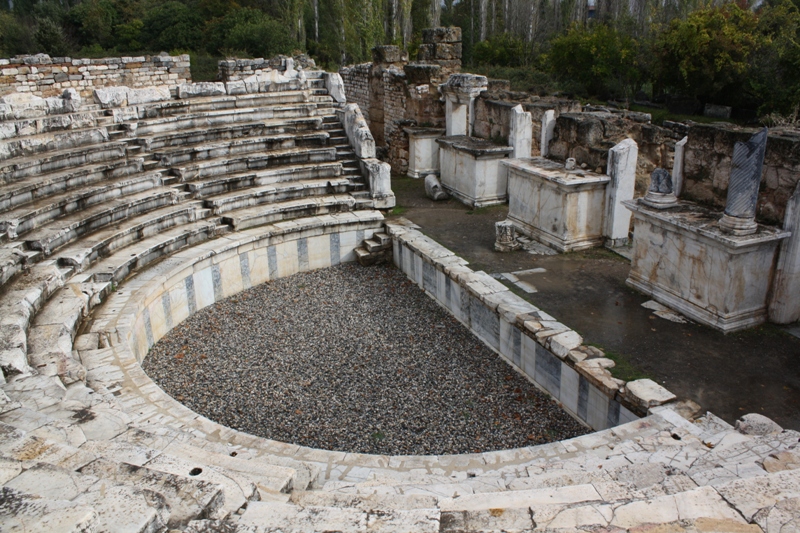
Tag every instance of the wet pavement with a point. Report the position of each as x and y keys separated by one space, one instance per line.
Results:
x=756 y=370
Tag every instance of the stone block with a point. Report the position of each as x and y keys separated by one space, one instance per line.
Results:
x=335 y=86
x=622 y=160
x=646 y=393
x=450 y=34
x=112 y=96
x=520 y=135
x=389 y=54
x=235 y=87
x=470 y=170
x=191 y=90
x=756 y=424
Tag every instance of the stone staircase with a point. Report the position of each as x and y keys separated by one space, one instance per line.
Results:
x=117 y=223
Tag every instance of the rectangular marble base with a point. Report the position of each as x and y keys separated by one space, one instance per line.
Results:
x=683 y=260
x=471 y=172
x=560 y=208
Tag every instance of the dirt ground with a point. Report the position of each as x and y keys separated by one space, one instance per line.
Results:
x=756 y=370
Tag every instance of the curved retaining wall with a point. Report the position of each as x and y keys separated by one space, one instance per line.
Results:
x=530 y=340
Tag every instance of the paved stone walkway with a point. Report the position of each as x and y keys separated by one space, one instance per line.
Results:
x=757 y=370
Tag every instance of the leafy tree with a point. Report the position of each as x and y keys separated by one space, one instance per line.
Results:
x=600 y=60
x=51 y=38
x=502 y=50
x=95 y=20
x=16 y=37
x=708 y=54
x=171 y=25
x=774 y=74
x=255 y=33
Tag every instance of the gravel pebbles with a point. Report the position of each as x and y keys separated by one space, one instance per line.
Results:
x=352 y=359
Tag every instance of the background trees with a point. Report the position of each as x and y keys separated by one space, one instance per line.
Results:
x=710 y=50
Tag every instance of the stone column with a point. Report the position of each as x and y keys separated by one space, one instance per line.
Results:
x=660 y=195
x=460 y=92
x=746 y=165
x=520 y=135
x=622 y=171
x=677 y=166
x=379 y=175
x=785 y=305
x=548 y=129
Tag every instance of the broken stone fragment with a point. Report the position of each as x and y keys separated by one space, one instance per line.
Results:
x=756 y=424
x=646 y=393
x=562 y=343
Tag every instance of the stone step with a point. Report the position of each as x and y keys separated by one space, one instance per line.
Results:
x=34 y=215
x=243 y=180
x=374 y=246
x=237 y=489
x=317 y=498
x=218 y=118
x=239 y=146
x=250 y=475
x=276 y=193
x=382 y=238
x=31 y=189
x=20 y=512
x=104 y=242
x=20 y=301
x=128 y=200
x=187 y=137
x=117 y=266
x=54 y=327
x=31 y=145
x=120 y=508
x=187 y=498
x=12 y=261
x=12 y=170
x=258 y=216
x=229 y=165
x=17 y=445
x=289 y=518
x=226 y=102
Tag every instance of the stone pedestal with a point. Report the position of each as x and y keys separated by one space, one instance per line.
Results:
x=682 y=259
x=560 y=208
x=548 y=130
x=460 y=92
x=520 y=132
x=423 y=158
x=470 y=170
x=505 y=236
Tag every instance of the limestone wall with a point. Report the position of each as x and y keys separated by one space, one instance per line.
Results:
x=588 y=136
x=493 y=114
x=238 y=69
x=708 y=166
x=356 y=86
x=45 y=76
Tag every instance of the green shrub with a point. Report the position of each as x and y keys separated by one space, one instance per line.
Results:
x=502 y=50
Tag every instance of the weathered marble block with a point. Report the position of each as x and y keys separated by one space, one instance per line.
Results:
x=683 y=260
x=470 y=170
x=423 y=158
x=558 y=207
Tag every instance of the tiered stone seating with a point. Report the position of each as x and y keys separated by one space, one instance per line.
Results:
x=119 y=223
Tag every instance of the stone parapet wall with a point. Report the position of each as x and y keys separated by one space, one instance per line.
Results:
x=45 y=76
x=707 y=167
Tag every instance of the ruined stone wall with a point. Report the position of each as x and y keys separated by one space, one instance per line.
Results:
x=588 y=136
x=394 y=93
x=356 y=86
x=708 y=165
x=44 y=76
x=238 y=69
x=493 y=114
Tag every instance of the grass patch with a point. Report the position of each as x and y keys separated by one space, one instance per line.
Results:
x=398 y=210
x=623 y=369
x=486 y=210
